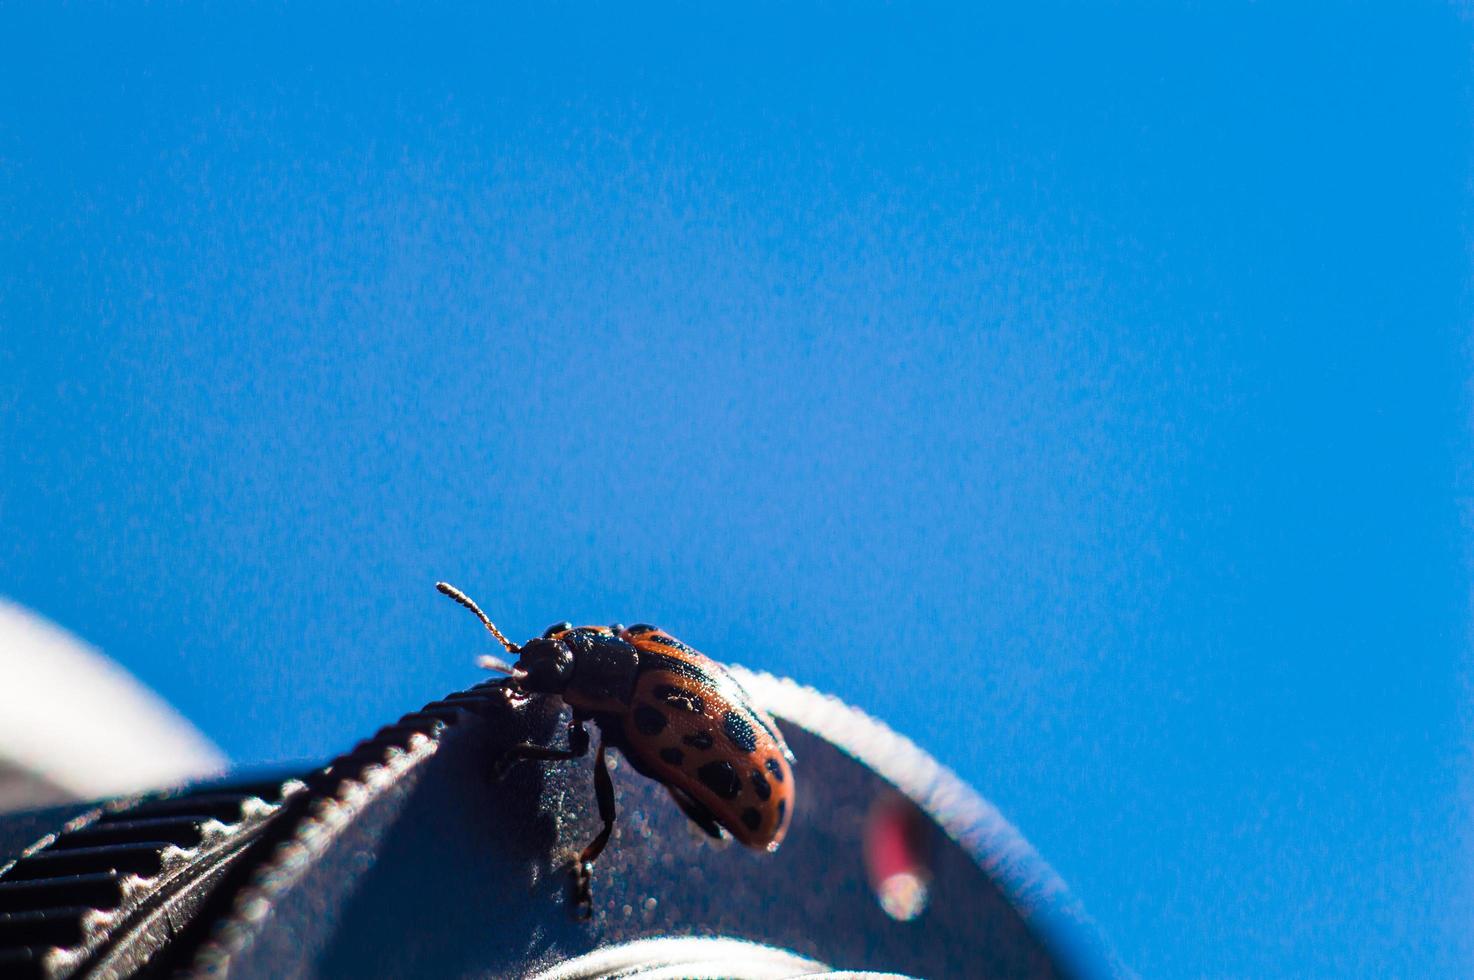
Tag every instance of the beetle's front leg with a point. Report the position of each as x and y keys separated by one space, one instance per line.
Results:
x=583 y=872
x=578 y=746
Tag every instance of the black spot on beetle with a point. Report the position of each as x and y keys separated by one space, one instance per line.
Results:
x=751 y=819
x=760 y=786
x=721 y=779
x=782 y=809
x=679 y=697
x=699 y=740
x=772 y=766
x=648 y=720
x=739 y=731
x=642 y=628
x=672 y=755
x=652 y=661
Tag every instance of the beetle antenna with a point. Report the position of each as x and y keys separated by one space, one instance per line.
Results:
x=450 y=590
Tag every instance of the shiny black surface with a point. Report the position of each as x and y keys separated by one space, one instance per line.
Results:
x=440 y=870
x=408 y=857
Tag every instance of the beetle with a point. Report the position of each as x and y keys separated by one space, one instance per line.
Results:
x=679 y=717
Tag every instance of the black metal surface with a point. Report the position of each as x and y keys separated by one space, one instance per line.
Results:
x=405 y=857
x=422 y=865
x=31 y=828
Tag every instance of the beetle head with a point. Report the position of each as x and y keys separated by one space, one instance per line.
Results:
x=545 y=666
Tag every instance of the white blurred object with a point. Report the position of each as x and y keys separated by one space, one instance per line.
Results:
x=76 y=726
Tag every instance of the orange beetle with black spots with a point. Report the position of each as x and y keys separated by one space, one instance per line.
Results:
x=678 y=716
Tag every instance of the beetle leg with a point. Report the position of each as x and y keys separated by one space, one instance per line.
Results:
x=578 y=745
x=700 y=815
x=584 y=872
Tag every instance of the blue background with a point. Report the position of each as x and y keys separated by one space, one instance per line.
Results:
x=1081 y=392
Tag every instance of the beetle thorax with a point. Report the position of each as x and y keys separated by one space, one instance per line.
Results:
x=604 y=669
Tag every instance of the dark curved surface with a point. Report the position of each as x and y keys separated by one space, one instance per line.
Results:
x=405 y=857
x=426 y=866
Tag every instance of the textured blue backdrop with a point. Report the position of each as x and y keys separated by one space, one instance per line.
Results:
x=1083 y=393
